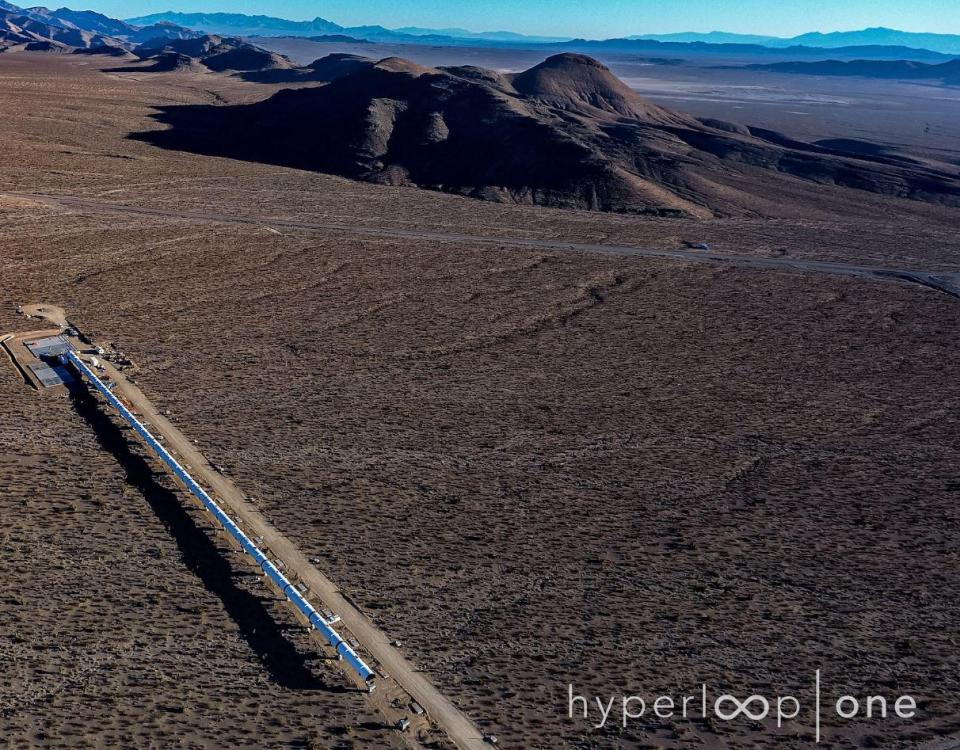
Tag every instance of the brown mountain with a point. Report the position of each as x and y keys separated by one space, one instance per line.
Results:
x=42 y=28
x=16 y=28
x=46 y=46
x=161 y=30
x=83 y=20
x=565 y=133
x=106 y=50
x=324 y=70
x=579 y=84
x=214 y=52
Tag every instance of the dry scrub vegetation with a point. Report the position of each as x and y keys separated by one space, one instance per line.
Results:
x=531 y=467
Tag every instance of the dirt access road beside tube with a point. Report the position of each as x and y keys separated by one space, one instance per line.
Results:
x=376 y=643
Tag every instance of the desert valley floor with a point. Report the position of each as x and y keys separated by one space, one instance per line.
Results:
x=530 y=466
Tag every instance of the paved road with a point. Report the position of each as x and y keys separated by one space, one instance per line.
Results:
x=946 y=282
x=389 y=659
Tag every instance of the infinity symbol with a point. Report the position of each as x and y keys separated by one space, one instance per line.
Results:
x=741 y=708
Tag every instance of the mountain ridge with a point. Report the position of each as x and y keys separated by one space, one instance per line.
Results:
x=566 y=133
x=947 y=72
x=55 y=30
x=872 y=36
x=185 y=25
x=713 y=49
x=240 y=24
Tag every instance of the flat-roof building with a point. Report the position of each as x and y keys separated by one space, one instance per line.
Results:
x=51 y=346
x=50 y=376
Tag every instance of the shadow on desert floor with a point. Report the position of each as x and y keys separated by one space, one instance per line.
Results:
x=286 y=665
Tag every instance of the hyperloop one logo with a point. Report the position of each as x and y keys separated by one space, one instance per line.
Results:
x=603 y=710
x=761 y=713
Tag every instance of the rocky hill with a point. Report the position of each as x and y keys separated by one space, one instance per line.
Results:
x=213 y=52
x=565 y=133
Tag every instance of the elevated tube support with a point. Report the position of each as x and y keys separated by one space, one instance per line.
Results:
x=315 y=619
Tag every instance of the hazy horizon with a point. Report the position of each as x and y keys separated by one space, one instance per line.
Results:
x=566 y=18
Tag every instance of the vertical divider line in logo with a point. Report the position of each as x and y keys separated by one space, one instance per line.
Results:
x=816 y=704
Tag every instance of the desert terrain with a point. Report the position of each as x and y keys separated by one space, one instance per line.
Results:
x=533 y=466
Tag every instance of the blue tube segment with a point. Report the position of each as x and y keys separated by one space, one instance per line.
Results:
x=289 y=590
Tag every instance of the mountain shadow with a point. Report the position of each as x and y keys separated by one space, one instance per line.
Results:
x=566 y=133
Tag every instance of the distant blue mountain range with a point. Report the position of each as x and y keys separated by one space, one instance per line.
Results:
x=904 y=70
x=239 y=24
x=735 y=51
x=879 y=36
x=873 y=44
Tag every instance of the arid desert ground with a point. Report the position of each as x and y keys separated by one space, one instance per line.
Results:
x=533 y=466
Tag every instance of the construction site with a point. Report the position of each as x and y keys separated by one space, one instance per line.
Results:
x=57 y=360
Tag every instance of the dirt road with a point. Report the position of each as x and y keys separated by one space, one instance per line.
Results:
x=390 y=661
x=946 y=282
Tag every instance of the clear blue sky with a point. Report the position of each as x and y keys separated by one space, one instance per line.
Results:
x=587 y=18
